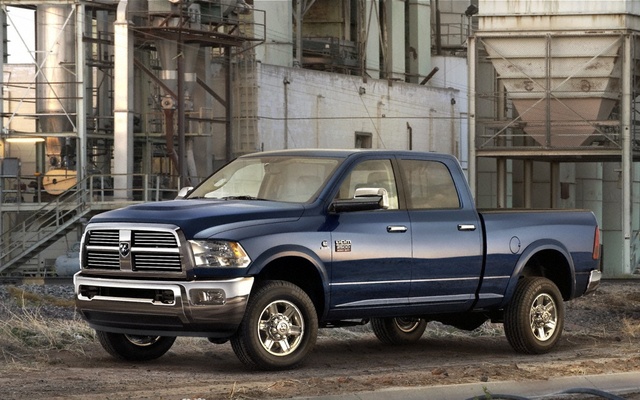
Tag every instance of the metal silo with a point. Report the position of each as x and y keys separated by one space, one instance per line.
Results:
x=56 y=90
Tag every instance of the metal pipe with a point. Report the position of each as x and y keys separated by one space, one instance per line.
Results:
x=228 y=107
x=627 y=167
x=298 y=60
x=438 y=29
x=182 y=164
x=471 y=57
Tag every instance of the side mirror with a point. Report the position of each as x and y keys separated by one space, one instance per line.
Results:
x=364 y=199
x=184 y=192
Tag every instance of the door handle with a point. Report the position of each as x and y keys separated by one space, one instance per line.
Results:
x=466 y=227
x=396 y=229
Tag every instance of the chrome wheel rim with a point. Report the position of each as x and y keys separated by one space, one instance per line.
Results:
x=543 y=317
x=407 y=325
x=142 y=341
x=280 y=328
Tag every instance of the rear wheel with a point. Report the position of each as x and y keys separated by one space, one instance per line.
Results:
x=279 y=328
x=135 y=347
x=398 y=330
x=534 y=319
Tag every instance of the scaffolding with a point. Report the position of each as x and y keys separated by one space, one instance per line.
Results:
x=557 y=97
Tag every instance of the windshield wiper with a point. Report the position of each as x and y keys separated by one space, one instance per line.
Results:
x=243 y=197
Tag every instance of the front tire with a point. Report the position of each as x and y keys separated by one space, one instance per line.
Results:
x=279 y=328
x=398 y=330
x=534 y=319
x=135 y=347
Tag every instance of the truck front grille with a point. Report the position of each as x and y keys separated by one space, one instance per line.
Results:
x=146 y=249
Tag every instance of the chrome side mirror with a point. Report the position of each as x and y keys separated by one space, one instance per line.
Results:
x=184 y=192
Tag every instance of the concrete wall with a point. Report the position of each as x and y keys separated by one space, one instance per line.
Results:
x=324 y=110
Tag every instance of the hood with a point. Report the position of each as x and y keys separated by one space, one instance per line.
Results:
x=194 y=216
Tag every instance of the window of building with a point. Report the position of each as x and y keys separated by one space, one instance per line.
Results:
x=364 y=140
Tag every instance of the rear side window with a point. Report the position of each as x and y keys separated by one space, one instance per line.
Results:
x=430 y=185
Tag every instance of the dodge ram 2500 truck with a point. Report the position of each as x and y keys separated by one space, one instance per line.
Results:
x=277 y=244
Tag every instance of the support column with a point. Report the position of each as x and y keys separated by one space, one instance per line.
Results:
x=3 y=22
x=81 y=90
x=472 y=164
x=372 y=38
x=395 y=57
x=555 y=184
x=123 y=106
x=528 y=183
x=419 y=40
x=502 y=182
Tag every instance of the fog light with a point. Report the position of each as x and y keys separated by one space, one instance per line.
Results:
x=207 y=297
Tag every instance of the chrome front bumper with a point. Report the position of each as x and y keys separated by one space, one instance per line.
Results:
x=169 y=308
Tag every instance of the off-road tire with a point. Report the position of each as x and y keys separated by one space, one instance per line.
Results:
x=534 y=319
x=133 y=347
x=279 y=328
x=398 y=330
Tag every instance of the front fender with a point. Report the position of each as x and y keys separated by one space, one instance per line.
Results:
x=529 y=252
x=279 y=252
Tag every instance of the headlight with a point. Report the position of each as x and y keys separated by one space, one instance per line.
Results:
x=219 y=254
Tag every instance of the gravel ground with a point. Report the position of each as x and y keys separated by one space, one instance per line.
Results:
x=37 y=297
x=602 y=335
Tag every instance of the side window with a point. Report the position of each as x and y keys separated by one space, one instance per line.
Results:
x=371 y=174
x=430 y=185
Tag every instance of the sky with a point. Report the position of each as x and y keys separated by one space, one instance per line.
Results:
x=23 y=20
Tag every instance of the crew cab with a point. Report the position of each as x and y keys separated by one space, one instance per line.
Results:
x=275 y=245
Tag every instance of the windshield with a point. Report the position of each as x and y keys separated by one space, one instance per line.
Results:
x=290 y=179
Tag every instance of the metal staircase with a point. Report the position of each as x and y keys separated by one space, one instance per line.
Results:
x=43 y=227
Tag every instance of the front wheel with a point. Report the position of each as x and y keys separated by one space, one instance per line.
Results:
x=135 y=347
x=534 y=319
x=398 y=330
x=279 y=328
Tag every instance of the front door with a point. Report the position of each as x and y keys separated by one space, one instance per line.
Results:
x=371 y=265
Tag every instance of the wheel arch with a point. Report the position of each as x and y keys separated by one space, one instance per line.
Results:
x=548 y=259
x=299 y=266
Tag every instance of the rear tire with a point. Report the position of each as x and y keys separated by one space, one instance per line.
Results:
x=279 y=328
x=135 y=347
x=398 y=330
x=534 y=319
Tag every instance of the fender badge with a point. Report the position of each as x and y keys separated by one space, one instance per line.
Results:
x=343 y=245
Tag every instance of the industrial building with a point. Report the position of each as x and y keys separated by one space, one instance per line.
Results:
x=114 y=102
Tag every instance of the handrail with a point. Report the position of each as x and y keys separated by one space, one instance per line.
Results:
x=57 y=216
x=41 y=225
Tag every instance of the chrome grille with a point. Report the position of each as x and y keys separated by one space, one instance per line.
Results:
x=104 y=238
x=130 y=250
x=103 y=260
x=156 y=262
x=154 y=239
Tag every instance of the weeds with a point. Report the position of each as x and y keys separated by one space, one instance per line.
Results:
x=25 y=299
x=24 y=328
x=631 y=327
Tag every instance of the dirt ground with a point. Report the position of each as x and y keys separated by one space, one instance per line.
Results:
x=602 y=335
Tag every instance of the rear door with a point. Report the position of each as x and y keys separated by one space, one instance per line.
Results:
x=371 y=250
x=446 y=237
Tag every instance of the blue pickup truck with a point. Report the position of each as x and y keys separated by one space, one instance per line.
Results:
x=278 y=244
